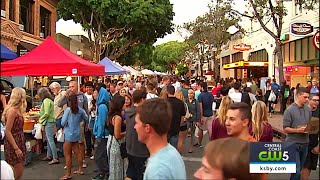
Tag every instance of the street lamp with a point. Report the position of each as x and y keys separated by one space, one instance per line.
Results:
x=79 y=52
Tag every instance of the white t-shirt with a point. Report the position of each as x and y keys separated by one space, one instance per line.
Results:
x=235 y=96
x=89 y=97
x=151 y=96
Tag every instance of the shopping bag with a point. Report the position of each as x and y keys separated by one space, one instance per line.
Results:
x=38 y=134
x=272 y=97
x=60 y=135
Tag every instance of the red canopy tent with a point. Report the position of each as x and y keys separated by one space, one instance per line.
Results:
x=50 y=59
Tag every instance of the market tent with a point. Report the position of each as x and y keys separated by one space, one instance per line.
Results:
x=6 y=53
x=49 y=59
x=147 y=72
x=111 y=68
x=132 y=70
x=118 y=65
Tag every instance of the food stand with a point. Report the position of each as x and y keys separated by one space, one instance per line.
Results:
x=48 y=59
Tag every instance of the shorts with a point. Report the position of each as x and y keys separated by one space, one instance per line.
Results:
x=82 y=139
x=183 y=128
x=311 y=161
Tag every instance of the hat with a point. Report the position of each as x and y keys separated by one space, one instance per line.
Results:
x=119 y=82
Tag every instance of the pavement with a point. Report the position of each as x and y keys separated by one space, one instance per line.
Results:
x=41 y=170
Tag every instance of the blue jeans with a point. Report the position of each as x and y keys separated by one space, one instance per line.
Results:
x=301 y=155
x=59 y=144
x=51 y=146
x=173 y=140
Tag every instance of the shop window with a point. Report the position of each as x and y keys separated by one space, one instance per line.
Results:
x=292 y=51
x=287 y=52
x=12 y=9
x=3 y=5
x=298 y=50
x=26 y=15
x=45 y=22
x=304 y=51
x=236 y=57
x=225 y=60
x=261 y=55
x=312 y=49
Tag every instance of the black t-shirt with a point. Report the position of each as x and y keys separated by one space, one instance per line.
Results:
x=313 y=138
x=178 y=110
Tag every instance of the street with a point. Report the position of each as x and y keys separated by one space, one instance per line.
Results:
x=41 y=170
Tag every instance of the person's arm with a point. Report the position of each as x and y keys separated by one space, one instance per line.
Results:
x=198 y=114
x=84 y=116
x=117 y=122
x=183 y=111
x=3 y=100
x=85 y=104
x=11 y=115
x=65 y=117
x=46 y=111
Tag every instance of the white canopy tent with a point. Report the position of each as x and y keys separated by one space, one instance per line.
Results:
x=147 y=72
x=132 y=70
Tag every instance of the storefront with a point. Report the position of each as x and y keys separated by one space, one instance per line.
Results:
x=255 y=67
x=301 y=61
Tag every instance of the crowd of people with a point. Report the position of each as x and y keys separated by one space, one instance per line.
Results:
x=146 y=121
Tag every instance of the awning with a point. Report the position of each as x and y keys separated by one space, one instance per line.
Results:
x=6 y=53
x=209 y=73
x=245 y=64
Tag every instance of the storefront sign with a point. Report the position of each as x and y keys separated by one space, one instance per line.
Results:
x=241 y=47
x=316 y=40
x=242 y=64
x=301 y=29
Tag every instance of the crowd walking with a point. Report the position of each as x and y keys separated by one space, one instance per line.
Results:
x=137 y=128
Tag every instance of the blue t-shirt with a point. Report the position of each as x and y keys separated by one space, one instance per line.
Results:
x=167 y=163
x=71 y=122
x=206 y=99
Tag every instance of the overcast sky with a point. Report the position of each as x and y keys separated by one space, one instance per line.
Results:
x=185 y=11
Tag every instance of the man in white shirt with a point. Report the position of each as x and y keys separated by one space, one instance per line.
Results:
x=236 y=95
x=87 y=133
x=151 y=90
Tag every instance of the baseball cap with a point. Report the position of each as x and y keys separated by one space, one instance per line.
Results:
x=119 y=82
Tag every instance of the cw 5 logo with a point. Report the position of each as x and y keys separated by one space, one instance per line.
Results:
x=273 y=156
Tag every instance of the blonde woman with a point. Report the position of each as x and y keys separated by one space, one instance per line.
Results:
x=218 y=126
x=260 y=129
x=183 y=125
x=14 y=143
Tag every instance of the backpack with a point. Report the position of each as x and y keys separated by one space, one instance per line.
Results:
x=246 y=98
x=286 y=93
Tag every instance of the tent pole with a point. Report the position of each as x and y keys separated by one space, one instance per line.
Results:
x=32 y=83
x=79 y=79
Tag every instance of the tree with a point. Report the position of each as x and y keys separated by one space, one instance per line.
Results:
x=210 y=32
x=169 y=54
x=182 y=69
x=138 y=55
x=267 y=10
x=114 y=27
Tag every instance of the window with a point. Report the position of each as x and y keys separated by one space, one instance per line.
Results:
x=298 y=50
x=225 y=60
x=298 y=7
x=3 y=5
x=261 y=55
x=26 y=15
x=11 y=10
x=45 y=22
x=236 y=57
x=287 y=52
x=292 y=51
x=312 y=49
x=304 y=53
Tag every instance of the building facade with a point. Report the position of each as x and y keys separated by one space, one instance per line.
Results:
x=26 y=23
x=257 y=59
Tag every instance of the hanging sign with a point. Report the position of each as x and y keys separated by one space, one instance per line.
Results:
x=241 y=47
x=316 y=40
x=300 y=28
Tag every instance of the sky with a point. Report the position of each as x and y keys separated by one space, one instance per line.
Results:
x=185 y=11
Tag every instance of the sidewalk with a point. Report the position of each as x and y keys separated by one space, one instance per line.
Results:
x=276 y=121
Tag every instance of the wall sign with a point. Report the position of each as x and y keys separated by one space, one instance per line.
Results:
x=241 y=47
x=300 y=28
x=316 y=40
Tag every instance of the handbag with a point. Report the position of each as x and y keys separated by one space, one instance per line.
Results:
x=60 y=135
x=123 y=148
x=188 y=114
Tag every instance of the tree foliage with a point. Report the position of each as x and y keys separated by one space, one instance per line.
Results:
x=210 y=31
x=182 y=69
x=115 y=26
x=265 y=11
x=169 y=54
